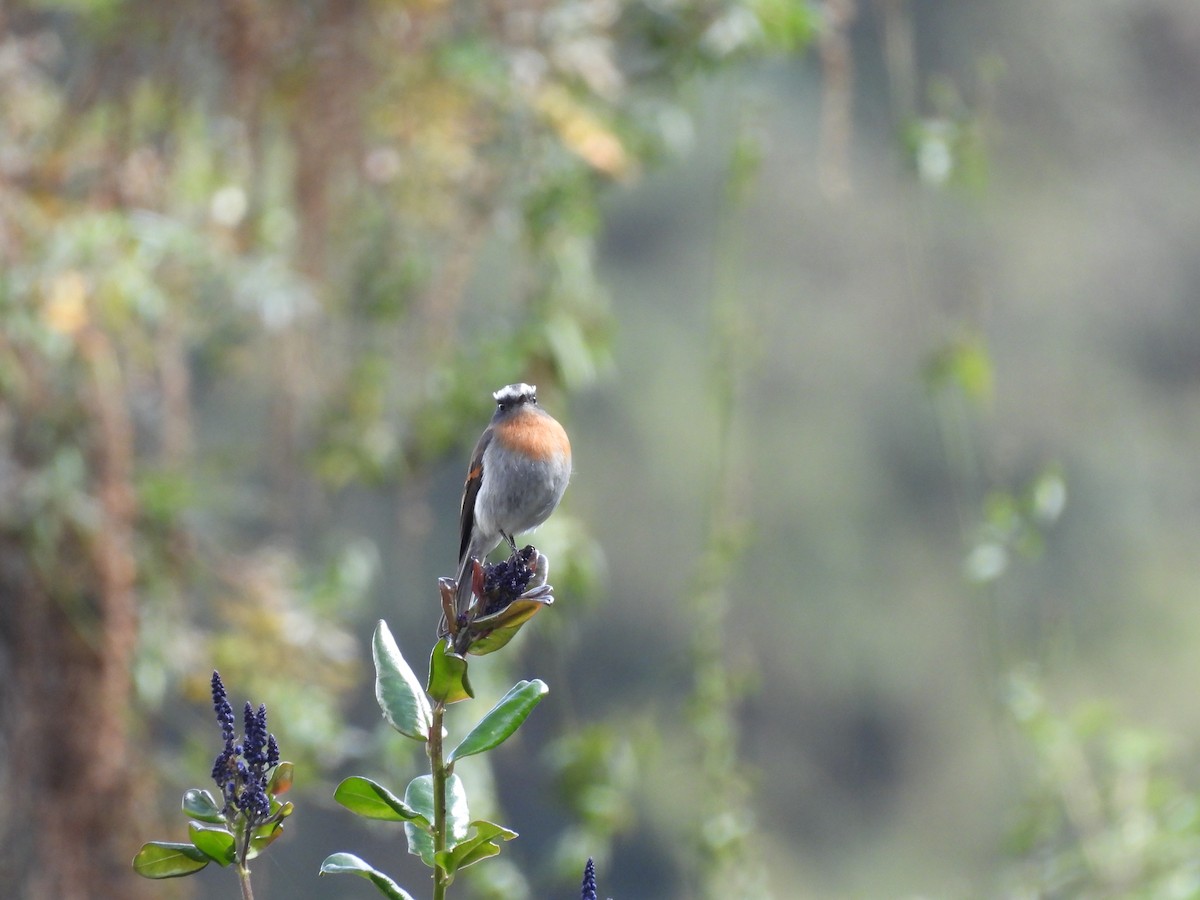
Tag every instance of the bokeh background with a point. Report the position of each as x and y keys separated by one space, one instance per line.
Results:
x=876 y=328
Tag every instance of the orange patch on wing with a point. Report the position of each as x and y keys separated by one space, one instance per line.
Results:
x=534 y=435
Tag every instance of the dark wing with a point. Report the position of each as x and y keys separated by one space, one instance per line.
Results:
x=466 y=520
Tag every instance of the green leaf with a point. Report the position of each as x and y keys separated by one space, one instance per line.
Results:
x=499 y=628
x=215 y=843
x=160 y=859
x=281 y=779
x=419 y=796
x=463 y=855
x=349 y=864
x=364 y=797
x=265 y=835
x=281 y=811
x=503 y=719
x=200 y=805
x=404 y=704
x=448 y=675
x=479 y=846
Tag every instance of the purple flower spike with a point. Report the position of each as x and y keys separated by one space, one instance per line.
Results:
x=241 y=770
x=588 y=891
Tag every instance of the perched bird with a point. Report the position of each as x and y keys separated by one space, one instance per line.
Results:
x=518 y=473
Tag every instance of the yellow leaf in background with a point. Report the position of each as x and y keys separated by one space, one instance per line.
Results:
x=66 y=303
x=583 y=133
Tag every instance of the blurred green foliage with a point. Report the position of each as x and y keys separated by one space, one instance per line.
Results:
x=1109 y=809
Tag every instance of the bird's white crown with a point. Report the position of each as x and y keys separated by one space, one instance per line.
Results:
x=516 y=393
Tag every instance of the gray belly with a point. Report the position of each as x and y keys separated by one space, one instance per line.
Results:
x=517 y=497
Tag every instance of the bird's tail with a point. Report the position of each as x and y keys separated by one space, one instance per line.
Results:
x=462 y=598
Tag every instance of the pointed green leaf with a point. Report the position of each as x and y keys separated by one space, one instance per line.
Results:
x=498 y=629
x=518 y=612
x=465 y=854
x=216 y=843
x=397 y=689
x=201 y=806
x=479 y=846
x=161 y=859
x=419 y=796
x=262 y=841
x=264 y=836
x=503 y=719
x=486 y=830
x=281 y=779
x=349 y=864
x=279 y=812
x=448 y=675
x=364 y=797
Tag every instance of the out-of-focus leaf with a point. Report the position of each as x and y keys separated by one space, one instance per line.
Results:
x=786 y=25
x=986 y=562
x=474 y=62
x=281 y=779
x=397 y=689
x=963 y=363
x=161 y=495
x=1048 y=497
x=502 y=720
x=1002 y=514
x=349 y=864
x=584 y=133
x=161 y=859
x=594 y=771
x=364 y=797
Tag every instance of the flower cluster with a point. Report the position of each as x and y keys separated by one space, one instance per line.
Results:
x=506 y=581
x=507 y=594
x=242 y=771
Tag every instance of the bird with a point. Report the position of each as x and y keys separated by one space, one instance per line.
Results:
x=517 y=476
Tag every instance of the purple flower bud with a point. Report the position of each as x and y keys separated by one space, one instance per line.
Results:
x=223 y=709
x=588 y=891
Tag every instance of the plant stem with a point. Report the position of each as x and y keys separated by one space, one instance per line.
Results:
x=440 y=773
x=244 y=878
x=245 y=832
